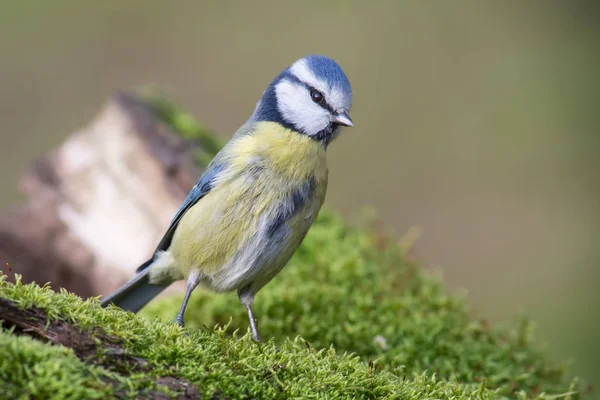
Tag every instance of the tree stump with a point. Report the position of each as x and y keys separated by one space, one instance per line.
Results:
x=98 y=205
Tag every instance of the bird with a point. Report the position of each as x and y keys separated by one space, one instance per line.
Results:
x=255 y=202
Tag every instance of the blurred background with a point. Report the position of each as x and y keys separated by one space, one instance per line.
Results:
x=475 y=121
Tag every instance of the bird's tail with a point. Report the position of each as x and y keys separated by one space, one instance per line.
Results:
x=136 y=293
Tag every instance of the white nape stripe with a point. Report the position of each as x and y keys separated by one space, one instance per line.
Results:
x=301 y=70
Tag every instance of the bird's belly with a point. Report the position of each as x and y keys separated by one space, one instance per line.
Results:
x=235 y=236
x=263 y=255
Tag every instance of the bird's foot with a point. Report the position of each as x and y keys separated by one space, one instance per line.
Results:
x=179 y=321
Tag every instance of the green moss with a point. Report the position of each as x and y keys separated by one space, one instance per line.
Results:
x=346 y=289
x=31 y=369
x=372 y=325
x=214 y=361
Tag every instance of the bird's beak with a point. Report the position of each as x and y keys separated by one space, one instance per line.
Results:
x=341 y=117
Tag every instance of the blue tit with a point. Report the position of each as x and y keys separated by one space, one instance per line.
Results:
x=255 y=202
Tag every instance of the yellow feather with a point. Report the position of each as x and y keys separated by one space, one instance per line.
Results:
x=213 y=230
x=290 y=153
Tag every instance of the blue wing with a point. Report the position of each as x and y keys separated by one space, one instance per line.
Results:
x=200 y=189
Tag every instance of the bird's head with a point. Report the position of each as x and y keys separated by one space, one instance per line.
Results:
x=313 y=97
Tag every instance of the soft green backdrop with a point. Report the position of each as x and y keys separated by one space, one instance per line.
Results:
x=476 y=121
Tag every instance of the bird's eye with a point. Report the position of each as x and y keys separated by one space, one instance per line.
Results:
x=316 y=96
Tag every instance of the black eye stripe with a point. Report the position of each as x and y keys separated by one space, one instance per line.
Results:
x=324 y=104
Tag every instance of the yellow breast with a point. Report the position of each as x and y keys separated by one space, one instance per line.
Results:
x=263 y=168
x=291 y=154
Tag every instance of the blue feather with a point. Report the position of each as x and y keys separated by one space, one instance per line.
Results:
x=200 y=189
x=294 y=202
x=329 y=71
x=325 y=70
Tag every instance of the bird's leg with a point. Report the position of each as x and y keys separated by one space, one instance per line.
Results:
x=192 y=282
x=247 y=297
x=252 y=323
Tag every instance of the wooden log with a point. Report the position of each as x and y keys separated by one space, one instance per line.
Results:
x=98 y=205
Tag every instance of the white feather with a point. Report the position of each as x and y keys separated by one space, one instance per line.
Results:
x=301 y=70
x=297 y=107
x=334 y=96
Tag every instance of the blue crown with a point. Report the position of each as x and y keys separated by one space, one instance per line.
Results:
x=329 y=71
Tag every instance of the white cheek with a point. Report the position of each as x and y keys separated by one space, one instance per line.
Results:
x=296 y=107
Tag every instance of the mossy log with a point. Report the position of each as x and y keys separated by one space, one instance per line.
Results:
x=96 y=348
x=97 y=206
